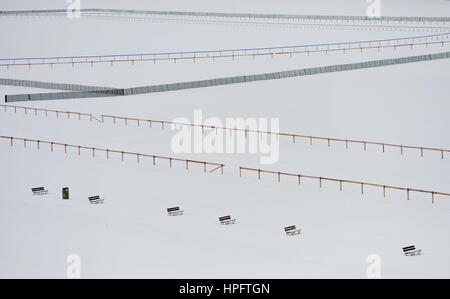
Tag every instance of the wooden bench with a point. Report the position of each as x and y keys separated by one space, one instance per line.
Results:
x=175 y=211
x=292 y=230
x=39 y=191
x=226 y=220
x=411 y=251
x=95 y=199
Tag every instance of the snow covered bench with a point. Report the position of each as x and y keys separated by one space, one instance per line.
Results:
x=226 y=220
x=175 y=211
x=95 y=199
x=292 y=230
x=39 y=191
x=411 y=251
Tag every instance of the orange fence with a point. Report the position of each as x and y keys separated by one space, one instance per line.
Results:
x=78 y=115
x=94 y=150
x=341 y=182
x=293 y=137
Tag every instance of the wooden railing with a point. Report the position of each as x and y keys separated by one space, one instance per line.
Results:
x=58 y=113
x=94 y=150
x=294 y=137
x=341 y=182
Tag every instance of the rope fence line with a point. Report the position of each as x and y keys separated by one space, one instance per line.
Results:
x=268 y=23
x=292 y=136
x=341 y=182
x=423 y=40
x=233 y=56
x=225 y=80
x=108 y=152
x=229 y=15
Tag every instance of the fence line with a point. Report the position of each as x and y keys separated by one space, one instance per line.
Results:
x=51 y=85
x=342 y=182
x=47 y=111
x=229 y=53
x=230 y=15
x=294 y=137
x=226 y=80
x=276 y=23
x=94 y=150
x=218 y=55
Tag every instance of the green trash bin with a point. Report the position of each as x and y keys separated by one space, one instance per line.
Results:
x=65 y=193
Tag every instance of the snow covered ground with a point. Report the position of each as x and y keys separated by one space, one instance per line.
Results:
x=130 y=235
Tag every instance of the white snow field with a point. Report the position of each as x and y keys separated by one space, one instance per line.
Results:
x=131 y=236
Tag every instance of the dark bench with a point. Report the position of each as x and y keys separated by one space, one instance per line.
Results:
x=226 y=220
x=95 y=199
x=292 y=230
x=411 y=250
x=39 y=191
x=175 y=211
